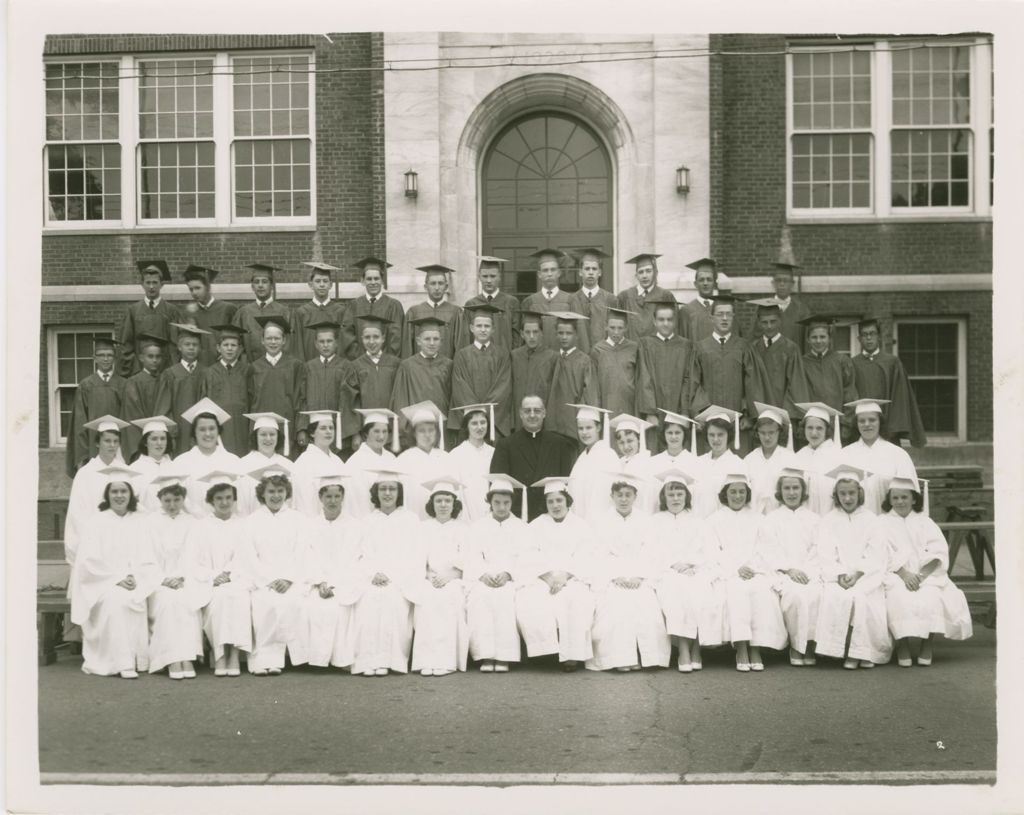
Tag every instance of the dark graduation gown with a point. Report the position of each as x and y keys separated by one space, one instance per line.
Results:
x=532 y=370
x=791 y=316
x=642 y=324
x=303 y=342
x=384 y=306
x=883 y=377
x=695 y=321
x=596 y=308
x=539 y=303
x=229 y=388
x=787 y=382
x=572 y=383
x=420 y=379
x=140 y=319
x=142 y=399
x=616 y=369
x=483 y=375
x=375 y=383
x=667 y=376
x=446 y=311
x=278 y=389
x=93 y=398
x=529 y=458
x=333 y=386
x=245 y=318
x=219 y=312
x=506 y=325
x=179 y=391
x=730 y=376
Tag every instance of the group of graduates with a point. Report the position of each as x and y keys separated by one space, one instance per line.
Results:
x=631 y=491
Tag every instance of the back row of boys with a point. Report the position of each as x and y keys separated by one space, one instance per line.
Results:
x=639 y=351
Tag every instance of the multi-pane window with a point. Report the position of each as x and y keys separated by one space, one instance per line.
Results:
x=71 y=361
x=932 y=354
x=83 y=156
x=887 y=128
x=210 y=140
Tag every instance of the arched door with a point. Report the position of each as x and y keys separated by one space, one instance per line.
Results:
x=546 y=181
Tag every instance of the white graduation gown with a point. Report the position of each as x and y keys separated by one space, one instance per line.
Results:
x=883 y=460
x=333 y=552
x=175 y=618
x=752 y=608
x=84 y=502
x=195 y=463
x=817 y=462
x=713 y=470
x=847 y=545
x=115 y=634
x=693 y=604
x=382 y=624
x=471 y=465
x=418 y=467
x=280 y=541
x=938 y=606
x=627 y=622
x=638 y=466
x=556 y=623
x=685 y=461
x=250 y=462
x=306 y=474
x=493 y=547
x=590 y=481
x=441 y=639
x=789 y=539
x=357 y=492
x=217 y=546
x=149 y=469
x=764 y=475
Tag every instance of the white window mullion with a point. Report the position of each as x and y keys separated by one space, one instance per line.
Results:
x=981 y=118
x=312 y=137
x=54 y=389
x=128 y=135
x=881 y=116
x=223 y=115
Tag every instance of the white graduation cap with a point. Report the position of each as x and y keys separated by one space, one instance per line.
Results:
x=446 y=483
x=317 y=416
x=676 y=475
x=553 y=484
x=206 y=405
x=683 y=421
x=726 y=415
x=867 y=405
x=491 y=259
x=568 y=316
x=169 y=480
x=621 y=476
x=108 y=422
x=819 y=410
x=215 y=477
x=388 y=474
x=736 y=478
x=500 y=482
x=779 y=416
x=116 y=473
x=191 y=328
x=381 y=416
x=625 y=421
x=155 y=423
x=848 y=472
x=426 y=412
x=483 y=407
x=592 y=413
x=336 y=479
x=794 y=472
x=268 y=420
x=270 y=470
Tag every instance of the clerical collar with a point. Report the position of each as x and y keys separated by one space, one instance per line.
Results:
x=322 y=304
x=871 y=355
x=719 y=337
x=480 y=347
x=665 y=339
x=208 y=303
x=273 y=360
x=533 y=433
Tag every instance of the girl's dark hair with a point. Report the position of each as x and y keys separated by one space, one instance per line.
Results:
x=721 y=424
x=686 y=432
x=663 y=503
x=375 y=495
x=273 y=480
x=835 y=493
x=803 y=489
x=568 y=498
x=723 y=494
x=618 y=485
x=456 y=505
x=311 y=429
x=172 y=489
x=142 y=451
x=918 y=502
x=784 y=430
x=464 y=427
x=325 y=487
x=278 y=446
x=364 y=431
x=492 y=493
x=195 y=423
x=133 y=501
x=218 y=488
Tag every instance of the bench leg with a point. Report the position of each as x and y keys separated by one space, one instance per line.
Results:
x=47 y=627
x=988 y=549
x=977 y=554
x=956 y=539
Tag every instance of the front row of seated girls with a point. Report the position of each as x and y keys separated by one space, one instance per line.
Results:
x=391 y=592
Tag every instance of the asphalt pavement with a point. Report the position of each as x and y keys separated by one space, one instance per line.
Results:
x=533 y=720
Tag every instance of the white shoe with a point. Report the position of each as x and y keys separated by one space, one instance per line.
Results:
x=867 y=663
x=487 y=667
x=757 y=666
x=501 y=667
x=381 y=672
x=129 y=674
x=851 y=664
x=697 y=666
x=171 y=674
x=445 y=671
x=189 y=674
x=685 y=667
x=274 y=671
x=743 y=667
x=221 y=672
x=427 y=672
x=369 y=673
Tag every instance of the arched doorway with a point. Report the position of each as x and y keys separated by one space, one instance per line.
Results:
x=546 y=180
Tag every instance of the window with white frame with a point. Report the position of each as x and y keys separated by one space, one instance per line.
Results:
x=844 y=336
x=69 y=361
x=211 y=140
x=893 y=128
x=933 y=353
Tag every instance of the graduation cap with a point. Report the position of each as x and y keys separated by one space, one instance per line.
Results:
x=551 y=484
x=867 y=405
x=579 y=255
x=435 y=268
x=270 y=470
x=592 y=413
x=264 y=268
x=676 y=475
x=107 y=423
x=191 y=329
x=777 y=415
x=867 y=322
x=636 y=260
x=793 y=472
x=615 y=311
x=490 y=260
x=848 y=472
x=165 y=480
x=115 y=473
x=206 y=405
x=819 y=410
x=155 y=423
x=371 y=262
x=500 y=482
x=395 y=473
x=159 y=267
x=226 y=329
x=317 y=416
x=274 y=319
x=324 y=325
x=381 y=416
x=204 y=273
x=482 y=308
x=723 y=298
x=100 y=341
x=428 y=321
x=332 y=480
x=373 y=319
x=765 y=304
x=540 y=254
x=667 y=302
x=567 y=316
x=319 y=266
x=702 y=263
x=625 y=421
x=269 y=420
x=910 y=481
x=818 y=319
x=444 y=483
x=736 y=477
x=426 y=412
x=533 y=316
x=683 y=421
x=786 y=265
x=217 y=477
x=482 y=407
x=725 y=415
x=623 y=477
x=151 y=339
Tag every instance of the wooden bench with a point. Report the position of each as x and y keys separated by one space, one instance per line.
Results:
x=51 y=606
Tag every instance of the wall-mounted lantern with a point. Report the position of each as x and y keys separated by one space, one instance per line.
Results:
x=411 y=184
x=682 y=180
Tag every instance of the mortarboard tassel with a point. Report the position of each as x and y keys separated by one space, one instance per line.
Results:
x=394 y=435
x=524 y=509
x=835 y=430
x=693 y=439
x=287 y=446
x=924 y=495
x=736 y=434
x=337 y=429
x=440 y=433
x=789 y=435
x=490 y=410
x=606 y=434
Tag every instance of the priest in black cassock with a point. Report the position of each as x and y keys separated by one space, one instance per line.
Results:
x=642 y=297
x=533 y=453
x=506 y=323
x=152 y=315
x=616 y=366
x=436 y=282
x=265 y=303
x=668 y=372
x=590 y=299
x=695 y=317
x=533 y=363
x=226 y=382
x=482 y=372
x=101 y=393
x=550 y=297
x=426 y=376
x=374 y=302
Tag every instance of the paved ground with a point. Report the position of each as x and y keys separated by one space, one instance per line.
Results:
x=535 y=719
